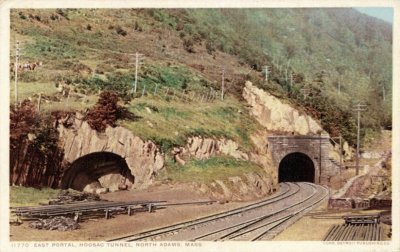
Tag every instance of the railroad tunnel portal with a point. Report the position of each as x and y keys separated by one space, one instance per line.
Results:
x=302 y=158
x=99 y=170
x=296 y=167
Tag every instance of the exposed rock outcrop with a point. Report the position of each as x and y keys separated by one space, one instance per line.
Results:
x=250 y=186
x=30 y=166
x=277 y=116
x=203 y=148
x=143 y=158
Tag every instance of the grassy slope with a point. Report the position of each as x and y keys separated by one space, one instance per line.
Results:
x=317 y=41
x=209 y=170
x=25 y=196
x=171 y=122
x=71 y=41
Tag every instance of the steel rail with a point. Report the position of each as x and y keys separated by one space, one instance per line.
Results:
x=82 y=208
x=292 y=215
x=206 y=219
x=55 y=208
x=264 y=218
x=242 y=225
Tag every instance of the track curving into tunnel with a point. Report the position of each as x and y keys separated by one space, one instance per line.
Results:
x=258 y=221
x=296 y=167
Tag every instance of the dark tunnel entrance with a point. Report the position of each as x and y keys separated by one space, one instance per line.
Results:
x=100 y=170
x=296 y=167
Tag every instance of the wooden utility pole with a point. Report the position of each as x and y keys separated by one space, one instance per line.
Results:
x=341 y=157
x=358 y=108
x=286 y=70
x=39 y=101
x=306 y=92
x=223 y=83
x=155 y=89
x=138 y=58
x=291 y=79
x=16 y=73
x=144 y=90
x=267 y=71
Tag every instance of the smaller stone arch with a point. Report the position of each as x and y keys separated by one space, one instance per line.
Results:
x=296 y=167
x=98 y=170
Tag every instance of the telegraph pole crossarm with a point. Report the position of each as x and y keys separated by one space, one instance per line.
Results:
x=306 y=92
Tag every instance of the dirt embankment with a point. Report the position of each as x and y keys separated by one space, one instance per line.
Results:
x=375 y=176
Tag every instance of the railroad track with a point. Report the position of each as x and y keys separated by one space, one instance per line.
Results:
x=257 y=221
x=89 y=209
x=85 y=208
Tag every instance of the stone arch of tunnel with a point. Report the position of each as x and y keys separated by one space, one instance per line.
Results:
x=98 y=170
x=296 y=167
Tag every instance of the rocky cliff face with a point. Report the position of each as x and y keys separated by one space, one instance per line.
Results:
x=203 y=148
x=143 y=158
x=250 y=186
x=275 y=115
x=29 y=166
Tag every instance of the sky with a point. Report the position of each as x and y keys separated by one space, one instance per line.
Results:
x=385 y=14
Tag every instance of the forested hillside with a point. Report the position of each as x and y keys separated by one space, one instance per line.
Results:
x=310 y=52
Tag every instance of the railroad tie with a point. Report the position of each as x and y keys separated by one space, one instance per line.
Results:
x=364 y=232
x=345 y=230
x=351 y=233
x=346 y=233
x=357 y=230
x=330 y=231
x=376 y=232
x=337 y=234
x=374 y=228
x=342 y=231
x=334 y=233
x=368 y=233
x=371 y=235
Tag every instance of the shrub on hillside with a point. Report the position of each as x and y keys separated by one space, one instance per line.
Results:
x=107 y=112
x=188 y=45
x=21 y=15
x=210 y=47
x=120 y=31
x=23 y=118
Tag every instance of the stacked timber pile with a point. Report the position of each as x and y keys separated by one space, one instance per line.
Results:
x=59 y=223
x=71 y=196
